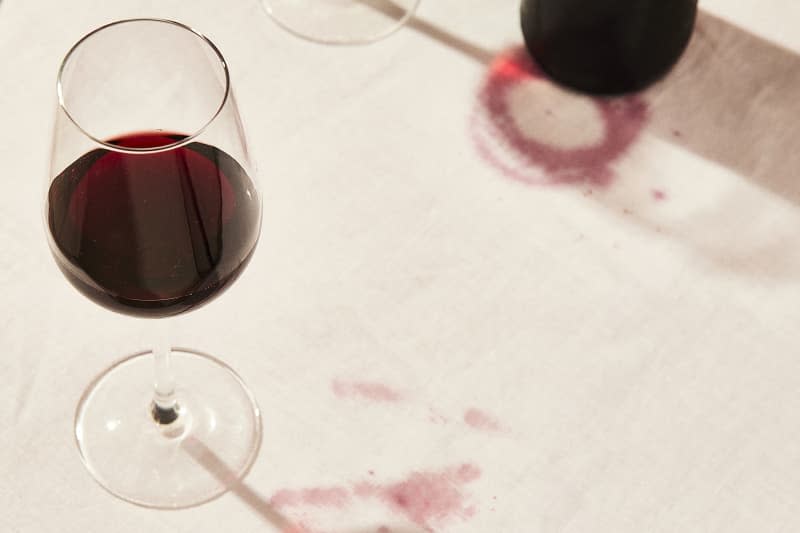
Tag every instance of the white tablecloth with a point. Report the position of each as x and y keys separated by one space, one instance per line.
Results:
x=449 y=324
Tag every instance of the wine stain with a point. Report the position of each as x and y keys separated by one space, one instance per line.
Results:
x=428 y=499
x=316 y=497
x=379 y=393
x=537 y=133
x=367 y=390
x=481 y=420
x=659 y=195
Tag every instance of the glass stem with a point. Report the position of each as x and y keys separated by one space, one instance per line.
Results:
x=165 y=406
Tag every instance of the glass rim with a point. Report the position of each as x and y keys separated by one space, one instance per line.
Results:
x=186 y=140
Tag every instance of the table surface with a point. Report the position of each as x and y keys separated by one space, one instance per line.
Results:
x=509 y=307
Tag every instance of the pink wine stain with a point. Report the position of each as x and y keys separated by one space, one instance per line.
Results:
x=316 y=497
x=429 y=499
x=659 y=195
x=481 y=420
x=501 y=143
x=296 y=528
x=375 y=392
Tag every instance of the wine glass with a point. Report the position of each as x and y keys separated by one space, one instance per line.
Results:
x=152 y=210
x=341 y=21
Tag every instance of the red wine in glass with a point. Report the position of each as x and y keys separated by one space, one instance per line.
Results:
x=152 y=209
x=153 y=233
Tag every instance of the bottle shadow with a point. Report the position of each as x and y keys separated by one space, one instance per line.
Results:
x=733 y=99
x=214 y=465
x=432 y=31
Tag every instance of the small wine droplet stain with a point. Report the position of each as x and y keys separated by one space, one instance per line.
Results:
x=372 y=391
x=477 y=419
x=659 y=195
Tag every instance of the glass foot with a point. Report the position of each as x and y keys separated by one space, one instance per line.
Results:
x=195 y=458
x=341 y=21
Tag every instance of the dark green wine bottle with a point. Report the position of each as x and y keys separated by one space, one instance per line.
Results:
x=607 y=46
